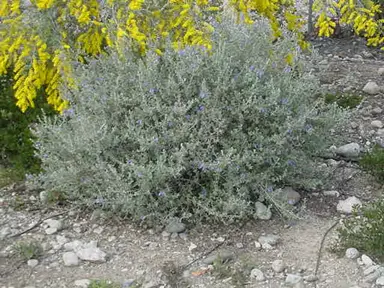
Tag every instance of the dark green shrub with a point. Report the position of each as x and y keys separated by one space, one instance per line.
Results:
x=17 y=151
x=365 y=231
x=373 y=162
x=349 y=101
x=191 y=135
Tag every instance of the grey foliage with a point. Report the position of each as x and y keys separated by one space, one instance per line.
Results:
x=190 y=134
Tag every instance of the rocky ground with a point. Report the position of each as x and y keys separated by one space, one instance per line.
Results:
x=73 y=248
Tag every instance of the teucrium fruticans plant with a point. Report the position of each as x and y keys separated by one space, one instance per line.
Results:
x=190 y=134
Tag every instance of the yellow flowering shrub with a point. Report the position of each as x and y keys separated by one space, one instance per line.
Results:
x=39 y=39
x=363 y=16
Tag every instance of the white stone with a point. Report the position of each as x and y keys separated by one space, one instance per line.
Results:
x=257 y=245
x=73 y=246
x=94 y=255
x=352 y=253
x=82 y=283
x=5 y=232
x=269 y=239
x=332 y=193
x=346 y=206
x=52 y=223
x=366 y=260
x=377 y=124
x=349 y=150
x=380 y=71
x=293 y=279
x=377 y=111
x=371 y=88
x=192 y=247
x=70 y=259
x=263 y=212
x=33 y=263
x=50 y=230
x=380 y=281
x=278 y=266
x=98 y=230
x=257 y=274
x=43 y=196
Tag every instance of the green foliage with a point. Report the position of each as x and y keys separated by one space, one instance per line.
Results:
x=28 y=250
x=17 y=152
x=373 y=162
x=190 y=134
x=365 y=232
x=349 y=101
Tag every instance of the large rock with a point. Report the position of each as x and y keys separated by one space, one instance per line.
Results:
x=263 y=212
x=175 y=227
x=70 y=259
x=222 y=256
x=293 y=280
x=352 y=253
x=346 y=206
x=92 y=254
x=278 y=266
x=350 y=150
x=380 y=71
x=257 y=274
x=377 y=124
x=73 y=246
x=269 y=239
x=289 y=195
x=371 y=88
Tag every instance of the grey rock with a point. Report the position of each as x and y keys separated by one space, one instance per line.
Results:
x=371 y=88
x=52 y=223
x=367 y=261
x=32 y=263
x=377 y=124
x=350 y=150
x=375 y=275
x=43 y=196
x=257 y=274
x=380 y=132
x=370 y=270
x=311 y=278
x=333 y=193
x=70 y=259
x=290 y=195
x=278 y=266
x=377 y=111
x=380 y=71
x=269 y=239
x=5 y=232
x=346 y=206
x=94 y=255
x=51 y=230
x=380 y=281
x=98 y=230
x=73 y=246
x=293 y=280
x=263 y=212
x=352 y=253
x=61 y=240
x=82 y=283
x=222 y=256
x=175 y=227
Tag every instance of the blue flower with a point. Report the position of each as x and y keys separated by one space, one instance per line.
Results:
x=269 y=189
x=182 y=52
x=287 y=69
x=289 y=131
x=202 y=167
x=139 y=174
x=252 y=68
x=161 y=194
x=139 y=122
x=130 y=162
x=284 y=101
x=201 y=108
x=170 y=124
x=257 y=146
x=204 y=192
x=291 y=163
x=45 y=156
x=263 y=110
x=308 y=128
x=188 y=117
x=291 y=202
x=99 y=200
x=28 y=176
x=69 y=112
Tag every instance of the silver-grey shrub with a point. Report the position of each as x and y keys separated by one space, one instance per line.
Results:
x=195 y=135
